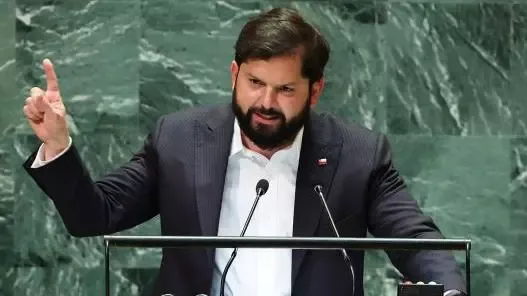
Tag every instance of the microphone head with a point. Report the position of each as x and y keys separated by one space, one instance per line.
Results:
x=262 y=186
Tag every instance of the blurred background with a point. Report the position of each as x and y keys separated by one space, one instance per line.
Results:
x=446 y=80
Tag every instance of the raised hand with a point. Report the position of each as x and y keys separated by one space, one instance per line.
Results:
x=46 y=114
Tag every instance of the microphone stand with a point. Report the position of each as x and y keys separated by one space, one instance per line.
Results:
x=318 y=190
x=259 y=192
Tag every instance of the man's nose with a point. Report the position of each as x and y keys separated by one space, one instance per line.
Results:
x=268 y=98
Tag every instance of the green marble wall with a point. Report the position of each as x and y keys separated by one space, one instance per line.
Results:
x=446 y=80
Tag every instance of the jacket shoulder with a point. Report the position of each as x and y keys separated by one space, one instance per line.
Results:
x=189 y=115
x=185 y=119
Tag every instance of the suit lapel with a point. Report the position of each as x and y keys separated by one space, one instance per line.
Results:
x=213 y=142
x=319 y=143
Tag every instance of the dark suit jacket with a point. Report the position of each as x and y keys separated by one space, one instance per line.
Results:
x=179 y=174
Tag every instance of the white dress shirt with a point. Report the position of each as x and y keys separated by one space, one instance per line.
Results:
x=257 y=272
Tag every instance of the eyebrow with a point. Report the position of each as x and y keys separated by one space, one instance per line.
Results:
x=292 y=83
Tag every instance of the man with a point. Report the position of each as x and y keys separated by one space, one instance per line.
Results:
x=198 y=171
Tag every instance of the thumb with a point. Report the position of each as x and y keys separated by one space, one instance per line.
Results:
x=41 y=103
x=46 y=104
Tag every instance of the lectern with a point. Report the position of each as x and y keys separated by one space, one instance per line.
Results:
x=318 y=243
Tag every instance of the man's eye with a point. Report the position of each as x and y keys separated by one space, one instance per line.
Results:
x=255 y=81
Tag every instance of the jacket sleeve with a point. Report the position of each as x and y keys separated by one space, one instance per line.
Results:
x=120 y=200
x=393 y=213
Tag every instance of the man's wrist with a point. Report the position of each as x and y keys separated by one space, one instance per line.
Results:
x=51 y=150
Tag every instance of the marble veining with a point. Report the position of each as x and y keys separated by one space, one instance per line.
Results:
x=445 y=80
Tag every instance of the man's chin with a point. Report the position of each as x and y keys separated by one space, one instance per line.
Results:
x=267 y=134
x=265 y=128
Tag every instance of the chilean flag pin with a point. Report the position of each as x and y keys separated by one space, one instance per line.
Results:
x=322 y=161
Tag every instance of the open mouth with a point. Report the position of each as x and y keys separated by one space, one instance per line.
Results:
x=266 y=117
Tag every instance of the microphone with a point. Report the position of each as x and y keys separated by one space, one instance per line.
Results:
x=261 y=189
x=318 y=190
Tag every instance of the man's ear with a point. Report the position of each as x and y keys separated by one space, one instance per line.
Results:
x=234 y=73
x=316 y=91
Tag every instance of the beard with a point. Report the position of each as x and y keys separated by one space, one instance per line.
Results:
x=265 y=136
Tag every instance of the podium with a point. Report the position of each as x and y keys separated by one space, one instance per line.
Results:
x=313 y=243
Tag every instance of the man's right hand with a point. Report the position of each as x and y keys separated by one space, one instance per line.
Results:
x=46 y=114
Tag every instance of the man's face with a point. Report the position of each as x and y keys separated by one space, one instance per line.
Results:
x=272 y=100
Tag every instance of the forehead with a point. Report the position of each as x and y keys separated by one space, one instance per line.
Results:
x=276 y=70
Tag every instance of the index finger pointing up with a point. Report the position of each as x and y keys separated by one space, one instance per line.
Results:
x=51 y=77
